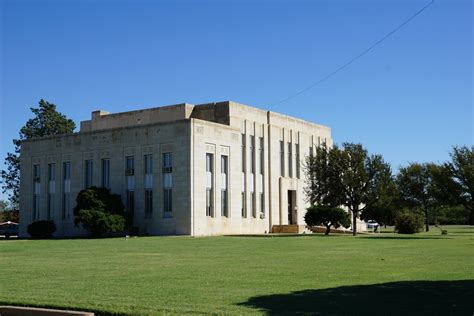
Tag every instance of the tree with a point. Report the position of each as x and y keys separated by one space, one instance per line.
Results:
x=461 y=170
x=46 y=122
x=4 y=206
x=348 y=176
x=327 y=216
x=408 y=223
x=417 y=188
x=99 y=211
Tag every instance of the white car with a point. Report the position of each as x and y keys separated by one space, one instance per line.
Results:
x=372 y=224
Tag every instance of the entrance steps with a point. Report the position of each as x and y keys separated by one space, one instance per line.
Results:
x=290 y=229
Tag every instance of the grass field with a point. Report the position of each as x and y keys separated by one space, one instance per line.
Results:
x=427 y=273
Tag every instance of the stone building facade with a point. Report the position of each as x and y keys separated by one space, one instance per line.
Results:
x=209 y=169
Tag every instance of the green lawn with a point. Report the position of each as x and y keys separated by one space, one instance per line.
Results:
x=385 y=273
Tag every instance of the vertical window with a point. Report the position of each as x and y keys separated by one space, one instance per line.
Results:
x=297 y=159
x=88 y=173
x=224 y=186
x=148 y=203
x=243 y=152
x=167 y=184
x=254 y=211
x=51 y=189
x=148 y=162
x=290 y=162
x=105 y=182
x=282 y=159
x=130 y=179
x=209 y=184
x=261 y=179
x=311 y=153
x=37 y=191
x=244 y=207
x=66 y=205
x=252 y=154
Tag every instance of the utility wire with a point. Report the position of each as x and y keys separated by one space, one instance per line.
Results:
x=347 y=64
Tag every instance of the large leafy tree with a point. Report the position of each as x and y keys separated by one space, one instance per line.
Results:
x=327 y=216
x=417 y=188
x=461 y=171
x=350 y=177
x=47 y=121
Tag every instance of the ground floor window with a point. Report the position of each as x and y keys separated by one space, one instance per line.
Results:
x=208 y=202
x=148 y=202
x=224 y=206
x=130 y=201
x=244 y=208
x=167 y=201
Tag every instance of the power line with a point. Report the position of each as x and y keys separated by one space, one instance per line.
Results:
x=347 y=64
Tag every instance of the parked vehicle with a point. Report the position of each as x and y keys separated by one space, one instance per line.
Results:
x=8 y=229
x=372 y=224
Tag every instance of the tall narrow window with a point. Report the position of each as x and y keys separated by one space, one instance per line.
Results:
x=297 y=159
x=224 y=185
x=88 y=174
x=167 y=184
x=37 y=191
x=290 y=161
x=252 y=154
x=51 y=189
x=130 y=178
x=261 y=178
x=244 y=206
x=148 y=162
x=209 y=184
x=66 y=205
x=282 y=158
x=243 y=149
x=311 y=151
x=105 y=173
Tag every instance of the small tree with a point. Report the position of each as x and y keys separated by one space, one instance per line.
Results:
x=327 y=216
x=99 y=211
x=408 y=223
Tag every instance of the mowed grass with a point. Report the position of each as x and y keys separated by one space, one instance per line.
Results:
x=308 y=274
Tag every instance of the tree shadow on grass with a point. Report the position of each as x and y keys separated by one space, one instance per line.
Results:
x=395 y=298
x=404 y=237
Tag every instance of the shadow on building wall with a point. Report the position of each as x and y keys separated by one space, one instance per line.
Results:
x=395 y=298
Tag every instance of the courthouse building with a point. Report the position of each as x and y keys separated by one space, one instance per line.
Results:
x=209 y=169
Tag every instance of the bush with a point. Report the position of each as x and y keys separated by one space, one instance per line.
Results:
x=41 y=229
x=327 y=216
x=409 y=223
x=99 y=211
x=99 y=223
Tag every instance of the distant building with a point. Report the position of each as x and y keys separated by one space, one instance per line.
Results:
x=209 y=169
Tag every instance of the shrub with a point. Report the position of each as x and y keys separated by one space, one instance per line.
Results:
x=99 y=223
x=41 y=229
x=95 y=198
x=327 y=216
x=99 y=211
x=409 y=223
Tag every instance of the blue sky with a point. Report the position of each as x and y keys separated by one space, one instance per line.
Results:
x=410 y=99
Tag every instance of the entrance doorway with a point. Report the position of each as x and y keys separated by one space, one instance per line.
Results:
x=291 y=207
